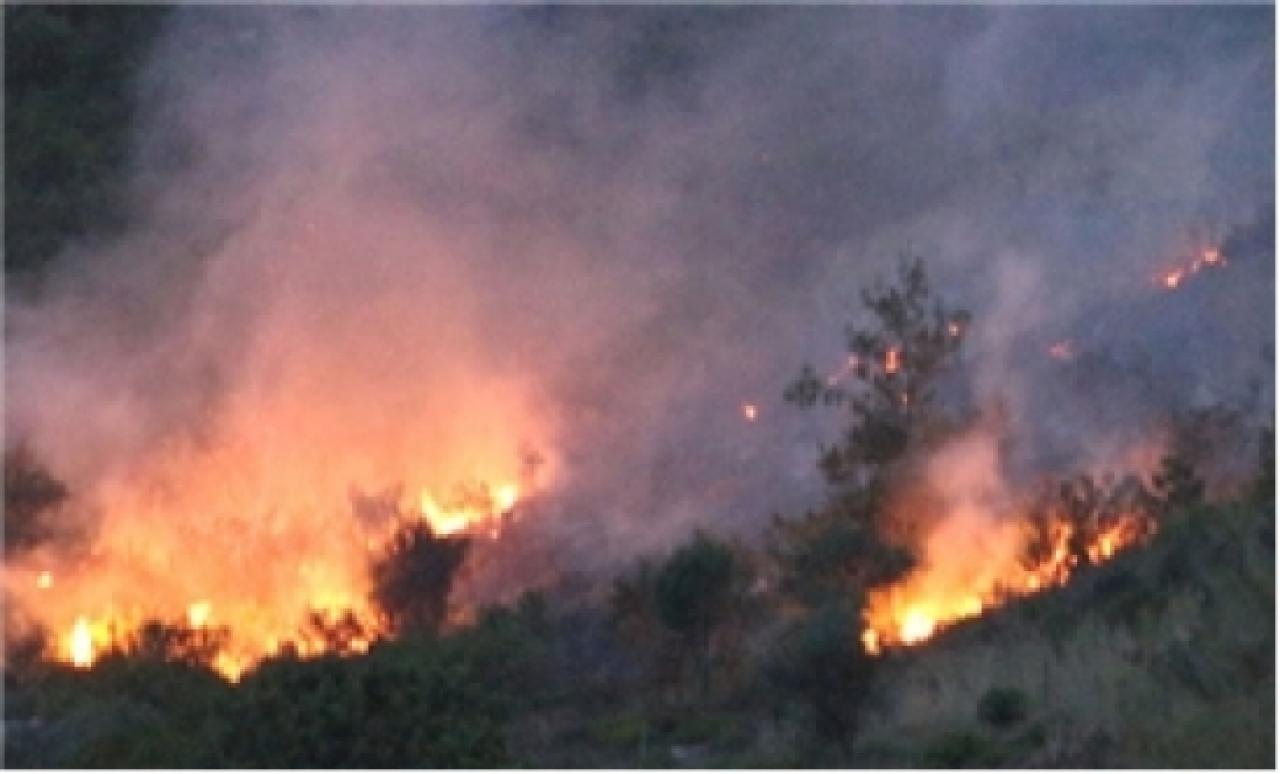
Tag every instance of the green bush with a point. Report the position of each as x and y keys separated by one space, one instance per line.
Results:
x=1002 y=707
x=962 y=749
x=401 y=706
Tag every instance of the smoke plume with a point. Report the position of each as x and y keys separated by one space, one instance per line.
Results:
x=405 y=249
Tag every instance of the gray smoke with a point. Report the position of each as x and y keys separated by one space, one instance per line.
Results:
x=640 y=218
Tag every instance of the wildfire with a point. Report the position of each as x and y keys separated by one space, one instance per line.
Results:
x=261 y=620
x=975 y=559
x=912 y=611
x=214 y=537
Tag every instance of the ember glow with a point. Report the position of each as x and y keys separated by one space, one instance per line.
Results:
x=1062 y=350
x=1205 y=258
x=892 y=360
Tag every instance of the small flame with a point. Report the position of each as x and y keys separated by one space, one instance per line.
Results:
x=1062 y=350
x=507 y=496
x=476 y=511
x=871 y=641
x=917 y=626
x=750 y=412
x=80 y=648
x=1209 y=257
x=44 y=580
x=892 y=360
x=198 y=614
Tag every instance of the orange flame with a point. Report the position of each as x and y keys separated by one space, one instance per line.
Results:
x=976 y=558
x=140 y=571
x=474 y=510
x=912 y=611
x=198 y=614
x=80 y=645
x=892 y=360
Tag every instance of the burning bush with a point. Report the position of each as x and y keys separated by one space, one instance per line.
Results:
x=174 y=643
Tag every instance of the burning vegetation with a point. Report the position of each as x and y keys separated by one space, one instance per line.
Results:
x=273 y=558
x=358 y=512
x=925 y=528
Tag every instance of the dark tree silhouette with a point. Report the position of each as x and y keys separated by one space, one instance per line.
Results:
x=818 y=661
x=693 y=594
x=412 y=580
x=31 y=499
x=887 y=389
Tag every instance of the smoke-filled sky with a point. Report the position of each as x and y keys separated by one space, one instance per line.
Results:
x=412 y=245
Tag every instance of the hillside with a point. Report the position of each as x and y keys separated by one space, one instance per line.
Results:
x=1162 y=658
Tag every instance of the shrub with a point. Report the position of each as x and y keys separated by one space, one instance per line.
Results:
x=1002 y=707
x=962 y=749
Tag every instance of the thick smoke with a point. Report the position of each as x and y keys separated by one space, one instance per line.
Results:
x=410 y=246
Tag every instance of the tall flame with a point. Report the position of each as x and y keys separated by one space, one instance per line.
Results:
x=261 y=532
x=80 y=648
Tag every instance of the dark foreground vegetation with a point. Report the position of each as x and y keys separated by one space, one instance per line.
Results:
x=1164 y=657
